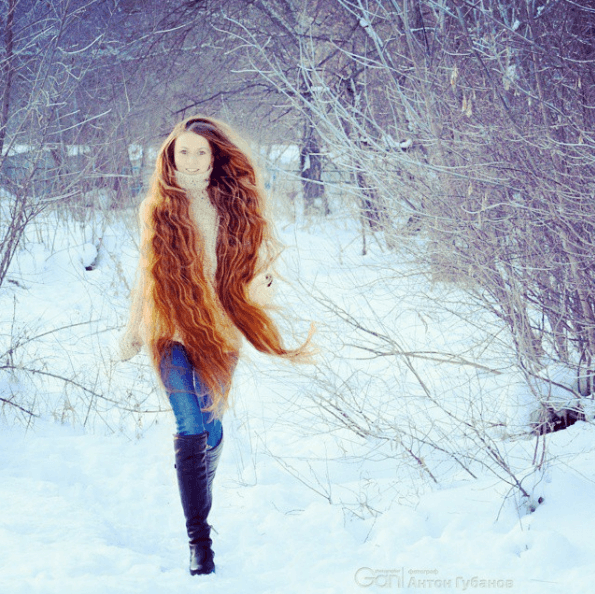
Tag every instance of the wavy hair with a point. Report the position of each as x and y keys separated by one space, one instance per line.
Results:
x=179 y=301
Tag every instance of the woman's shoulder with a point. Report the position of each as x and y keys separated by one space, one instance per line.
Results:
x=144 y=214
x=143 y=206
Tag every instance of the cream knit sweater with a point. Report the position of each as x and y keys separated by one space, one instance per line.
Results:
x=207 y=221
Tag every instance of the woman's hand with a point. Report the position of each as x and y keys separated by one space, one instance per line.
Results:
x=262 y=289
x=130 y=345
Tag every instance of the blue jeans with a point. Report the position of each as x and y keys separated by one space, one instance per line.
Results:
x=188 y=396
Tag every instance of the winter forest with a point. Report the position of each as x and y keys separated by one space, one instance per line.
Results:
x=430 y=170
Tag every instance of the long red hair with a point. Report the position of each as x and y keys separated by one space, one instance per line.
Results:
x=179 y=301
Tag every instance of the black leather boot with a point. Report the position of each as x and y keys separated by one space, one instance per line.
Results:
x=213 y=456
x=196 y=466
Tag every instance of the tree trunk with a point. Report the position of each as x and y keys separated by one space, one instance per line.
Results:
x=315 y=199
x=7 y=71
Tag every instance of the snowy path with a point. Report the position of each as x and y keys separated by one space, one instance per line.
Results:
x=93 y=514
x=100 y=514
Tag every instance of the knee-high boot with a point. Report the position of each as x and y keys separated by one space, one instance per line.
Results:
x=213 y=456
x=196 y=466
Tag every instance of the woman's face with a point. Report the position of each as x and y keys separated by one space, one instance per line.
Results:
x=192 y=154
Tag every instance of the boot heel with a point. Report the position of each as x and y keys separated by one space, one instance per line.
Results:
x=201 y=561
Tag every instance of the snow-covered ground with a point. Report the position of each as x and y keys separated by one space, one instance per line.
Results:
x=88 y=499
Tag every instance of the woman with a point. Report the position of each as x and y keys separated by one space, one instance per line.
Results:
x=204 y=281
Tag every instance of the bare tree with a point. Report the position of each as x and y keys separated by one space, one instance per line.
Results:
x=469 y=126
x=289 y=44
x=458 y=128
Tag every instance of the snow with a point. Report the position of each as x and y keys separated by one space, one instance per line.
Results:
x=302 y=503
x=283 y=154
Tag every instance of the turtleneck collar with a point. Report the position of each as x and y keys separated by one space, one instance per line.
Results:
x=194 y=184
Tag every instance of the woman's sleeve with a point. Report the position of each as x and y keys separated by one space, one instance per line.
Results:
x=131 y=340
